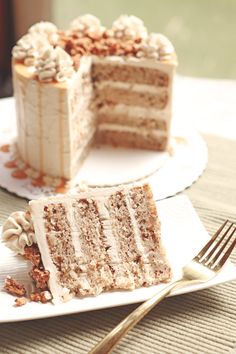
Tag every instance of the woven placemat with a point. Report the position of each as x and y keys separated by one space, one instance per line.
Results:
x=197 y=323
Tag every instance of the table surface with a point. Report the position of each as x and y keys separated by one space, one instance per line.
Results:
x=200 y=322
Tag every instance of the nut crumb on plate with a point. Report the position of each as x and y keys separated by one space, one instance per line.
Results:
x=13 y=287
x=20 y=301
x=43 y=296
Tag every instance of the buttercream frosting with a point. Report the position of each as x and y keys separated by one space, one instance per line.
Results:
x=156 y=46
x=47 y=30
x=87 y=24
x=130 y=129
x=18 y=231
x=54 y=64
x=129 y=27
x=137 y=112
x=129 y=86
x=28 y=48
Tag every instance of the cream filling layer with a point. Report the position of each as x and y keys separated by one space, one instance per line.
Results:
x=167 y=65
x=136 y=112
x=130 y=86
x=75 y=233
x=128 y=129
x=107 y=230
x=137 y=233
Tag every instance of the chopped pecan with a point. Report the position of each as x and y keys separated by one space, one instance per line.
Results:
x=20 y=301
x=43 y=296
x=13 y=287
x=35 y=297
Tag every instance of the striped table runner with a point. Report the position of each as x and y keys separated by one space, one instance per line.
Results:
x=199 y=323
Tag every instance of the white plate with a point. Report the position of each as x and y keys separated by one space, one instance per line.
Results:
x=109 y=166
x=183 y=235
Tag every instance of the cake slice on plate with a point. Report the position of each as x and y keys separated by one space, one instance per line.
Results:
x=93 y=241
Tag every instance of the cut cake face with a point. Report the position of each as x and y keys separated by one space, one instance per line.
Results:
x=90 y=84
x=95 y=241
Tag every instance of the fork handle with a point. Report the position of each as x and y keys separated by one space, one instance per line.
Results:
x=106 y=345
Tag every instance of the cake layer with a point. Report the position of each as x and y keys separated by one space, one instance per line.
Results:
x=100 y=240
x=132 y=138
x=129 y=73
x=144 y=122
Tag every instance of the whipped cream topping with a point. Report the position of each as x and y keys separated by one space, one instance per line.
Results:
x=28 y=48
x=156 y=46
x=128 y=37
x=129 y=27
x=31 y=45
x=54 y=64
x=47 y=30
x=87 y=24
x=18 y=231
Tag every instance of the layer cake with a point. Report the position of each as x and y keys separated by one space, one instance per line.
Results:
x=90 y=83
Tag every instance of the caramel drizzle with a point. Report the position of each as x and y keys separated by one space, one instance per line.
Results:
x=40 y=121
x=23 y=91
x=21 y=88
x=10 y=164
x=19 y=174
x=61 y=116
x=38 y=182
x=62 y=188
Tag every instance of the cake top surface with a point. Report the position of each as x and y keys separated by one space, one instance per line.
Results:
x=54 y=55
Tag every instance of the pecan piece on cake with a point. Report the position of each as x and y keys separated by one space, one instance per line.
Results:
x=13 y=287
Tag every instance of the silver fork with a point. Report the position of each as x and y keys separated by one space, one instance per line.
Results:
x=203 y=267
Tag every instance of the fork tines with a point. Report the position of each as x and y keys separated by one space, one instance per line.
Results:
x=215 y=253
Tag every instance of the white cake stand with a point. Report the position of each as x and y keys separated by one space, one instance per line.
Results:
x=168 y=173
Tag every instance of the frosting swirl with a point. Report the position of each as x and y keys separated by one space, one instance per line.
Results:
x=18 y=231
x=45 y=29
x=156 y=46
x=54 y=64
x=39 y=36
x=129 y=27
x=87 y=24
x=28 y=48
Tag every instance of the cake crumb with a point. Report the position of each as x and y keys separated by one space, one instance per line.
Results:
x=13 y=287
x=20 y=301
x=40 y=276
x=43 y=296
